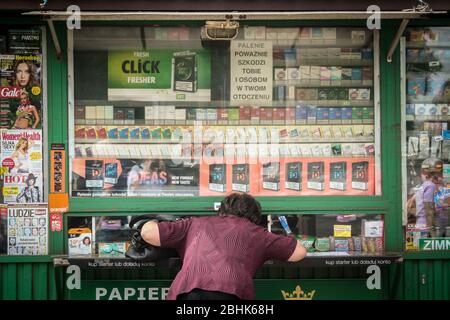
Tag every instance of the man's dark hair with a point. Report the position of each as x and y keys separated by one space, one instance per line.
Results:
x=241 y=205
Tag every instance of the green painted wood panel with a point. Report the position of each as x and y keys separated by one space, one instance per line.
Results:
x=27 y=281
x=426 y=279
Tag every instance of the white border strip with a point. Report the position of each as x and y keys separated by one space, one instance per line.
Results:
x=44 y=114
x=70 y=108
x=233 y=15
x=377 y=106
x=403 y=127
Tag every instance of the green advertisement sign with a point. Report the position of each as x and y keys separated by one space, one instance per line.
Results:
x=434 y=244
x=159 y=75
x=293 y=289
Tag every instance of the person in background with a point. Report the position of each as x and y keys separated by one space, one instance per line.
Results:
x=423 y=199
x=221 y=253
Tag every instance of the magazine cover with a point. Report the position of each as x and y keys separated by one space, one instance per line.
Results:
x=27 y=230
x=21 y=91
x=21 y=156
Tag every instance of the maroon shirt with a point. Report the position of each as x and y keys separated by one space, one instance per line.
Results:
x=221 y=253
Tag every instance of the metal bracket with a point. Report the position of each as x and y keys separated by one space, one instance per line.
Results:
x=396 y=39
x=55 y=39
x=61 y=262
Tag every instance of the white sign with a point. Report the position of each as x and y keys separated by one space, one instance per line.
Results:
x=251 y=73
x=373 y=229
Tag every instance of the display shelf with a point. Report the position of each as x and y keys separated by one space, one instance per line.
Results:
x=328 y=259
x=427 y=118
x=343 y=43
x=281 y=140
x=324 y=103
x=415 y=45
x=216 y=124
x=324 y=84
x=323 y=62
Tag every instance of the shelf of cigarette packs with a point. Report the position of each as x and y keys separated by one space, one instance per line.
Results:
x=331 y=234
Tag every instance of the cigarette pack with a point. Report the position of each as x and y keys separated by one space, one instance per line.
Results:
x=336 y=149
x=367 y=115
x=336 y=75
x=347 y=149
x=180 y=115
x=293 y=176
x=312 y=114
x=90 y=114
x=301 y=114
x=90 y=133
x=233 y=116
x=254 y=115
x=367 y=76
x=201 y=114
x=326 y=150
x=240 y=177
x=94 y=173
x=305 y=150
x=271 y=176
x=279 y=115
x=337 y=132
x=424 y=145
x=101 y=133
x=290 y=115
x=366 y=54
x=360 y=175
x=129 y=116
x=217 y=177
x=124 y=133
x=266 y=115
x=113 y=133
x=119 y=116
x=316 y=176
x=325 y=75
x=323 y=115
x=305 y=74
x=100 y=114
x=346 y=115
x=222 y=116
x=335 y=115
x=80 y=133
x=191 y=115
x=293 y=74
x=280 y=74
x=346 y=76
x=145 y=133
x=416 y=86
x=245 y=114
x=316 y=150
x=327 y=132
x=80 y=115
x=315 y=74
x=357 y=115
x=148 y=114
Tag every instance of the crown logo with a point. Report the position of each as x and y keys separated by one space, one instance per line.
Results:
x=298 y=294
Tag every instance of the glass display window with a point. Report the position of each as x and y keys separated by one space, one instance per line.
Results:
x=332 y=234
x=426 y=139
x=103 y=236
x=164 y=112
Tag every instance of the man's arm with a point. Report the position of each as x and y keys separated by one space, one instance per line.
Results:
x=150 y=233
x=298 y=254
